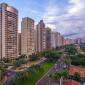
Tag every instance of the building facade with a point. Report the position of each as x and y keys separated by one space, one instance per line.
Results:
x=27 y=36
x=48 y=38
x=40 y=36
x=8 y=31
x=53 y=40
x=19 y=43
x=60 y=40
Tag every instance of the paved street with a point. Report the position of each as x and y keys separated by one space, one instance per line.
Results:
x=29 y=64
x=57 y=67
x=9 y=73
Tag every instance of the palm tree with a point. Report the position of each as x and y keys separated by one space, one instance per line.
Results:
x=58 y=76
x=67 y=61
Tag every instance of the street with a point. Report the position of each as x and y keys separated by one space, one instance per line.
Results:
x=45 y=80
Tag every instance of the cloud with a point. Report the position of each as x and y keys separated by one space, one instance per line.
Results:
x=51 y=11
x=71 y=22
x=76 y=7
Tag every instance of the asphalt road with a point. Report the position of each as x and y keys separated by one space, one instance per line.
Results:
x=57 y=67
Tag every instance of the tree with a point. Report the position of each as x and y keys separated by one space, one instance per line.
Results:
x=33 y=57
x=58 y=75
x=78 y=60
x=16 y=79
x=70 y=49
x=82 y=62
x=77 y=76
x=6 y=60
x=52 y=55
x=2 y=69
x=55 y=77
x=67 y=62
x=22 y=56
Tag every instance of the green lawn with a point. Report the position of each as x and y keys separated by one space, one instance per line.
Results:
x=34 y=77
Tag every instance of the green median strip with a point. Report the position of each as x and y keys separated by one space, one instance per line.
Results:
x=34 y=77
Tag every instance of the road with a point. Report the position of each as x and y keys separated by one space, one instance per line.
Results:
x=29 y=64
x=57 y=67
x=12 y=72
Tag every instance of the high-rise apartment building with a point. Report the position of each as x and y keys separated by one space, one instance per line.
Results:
x=48 y=38
x=60 y=40
x=54 y=39
x=57 y=39
x=8 y=31
x=19 y=43
x=40 y=37
x=27 y=36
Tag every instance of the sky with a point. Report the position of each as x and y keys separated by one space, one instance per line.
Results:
x=64 y=16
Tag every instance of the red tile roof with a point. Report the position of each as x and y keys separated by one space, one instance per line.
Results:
x=70 y=82
x=74 y=69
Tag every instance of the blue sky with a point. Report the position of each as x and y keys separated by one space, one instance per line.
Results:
x=64 y=16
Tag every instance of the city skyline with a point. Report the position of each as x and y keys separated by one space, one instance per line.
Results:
x=31 y=39
x=62 y=16
x=42 y=44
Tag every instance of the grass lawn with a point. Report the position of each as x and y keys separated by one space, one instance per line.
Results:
x=34 y=77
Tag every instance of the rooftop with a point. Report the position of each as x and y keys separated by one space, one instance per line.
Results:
x=80 y=70
x=70 y=82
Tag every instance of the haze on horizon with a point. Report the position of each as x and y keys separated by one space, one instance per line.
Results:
x=64 y=16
